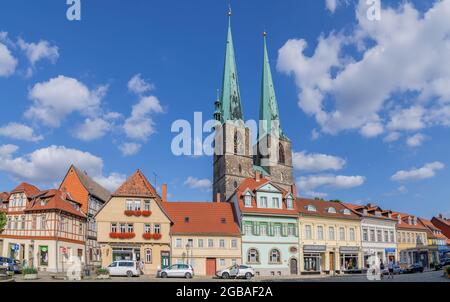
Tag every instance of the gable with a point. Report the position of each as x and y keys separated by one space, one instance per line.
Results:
x=75 y=187
x=268 y=187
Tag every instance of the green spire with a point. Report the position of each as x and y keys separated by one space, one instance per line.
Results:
x=230 y=106
x=268 y=111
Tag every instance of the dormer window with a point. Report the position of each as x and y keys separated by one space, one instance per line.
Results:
x=223 y=220
x=186 y=219
x=377 y=213
x=409 y=220
x=415 y=220
x=399 y=219
x=311 y=208
x=289 y=203
x=365 y=211
x=346 y=212
x=332 y=210
x=248 y=200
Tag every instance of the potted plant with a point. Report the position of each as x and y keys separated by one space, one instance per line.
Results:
x=30 y=273
x=146 y=213
x=102 y=273
x=156 y=236
x=128 y=213
x=147 y=236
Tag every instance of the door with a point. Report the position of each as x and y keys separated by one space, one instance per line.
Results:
x=293 y=266
x=332 y=262
x=210 y=266
x=165 y=259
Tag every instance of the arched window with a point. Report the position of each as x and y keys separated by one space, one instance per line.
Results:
x=253 y=256
x=281 y=158
x=148 y=255
x=275 y=256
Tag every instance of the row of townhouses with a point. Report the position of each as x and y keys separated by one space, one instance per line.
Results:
x=256 y=217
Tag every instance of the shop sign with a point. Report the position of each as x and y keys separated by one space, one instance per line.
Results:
x=349 y=249
x=314 y=248
x=390 y=250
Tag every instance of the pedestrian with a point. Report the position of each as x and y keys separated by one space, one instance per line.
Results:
x=141 y=266
x=381 y=269
x=391 y=269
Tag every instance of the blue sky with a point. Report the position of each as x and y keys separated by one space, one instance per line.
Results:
x=365 y=103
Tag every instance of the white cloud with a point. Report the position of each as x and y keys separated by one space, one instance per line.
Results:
x=196 y=183
x=314 y=194
x=315 y=135
x=346 y=91
x=140 y=124
x=427 y=171
x=112 y=181
x=92 y=129
x=137 y=85
x=8 y=63
x=392 y=137
x=309 y=183
x=47 y=166
x=416 y=140
x=331 y=5
x=372 y=129
x=316 y=162
x=20 y=132
x=55 y=99
x=38 y=51
x=129 y=149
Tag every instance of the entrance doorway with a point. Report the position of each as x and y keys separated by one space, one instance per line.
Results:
x=294 y=266
x=165 y=259
x=332 y=262
x=210 y=266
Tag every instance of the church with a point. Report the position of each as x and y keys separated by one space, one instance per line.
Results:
x=235 y=158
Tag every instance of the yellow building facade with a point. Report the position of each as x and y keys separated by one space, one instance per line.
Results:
x=330 y=238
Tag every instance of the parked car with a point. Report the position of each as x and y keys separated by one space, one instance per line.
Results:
x=13 y=265
x=444 y=262
x=124 y=268
x=397 y=270
x=236 y=271
x=176 y=270
x=414 y=268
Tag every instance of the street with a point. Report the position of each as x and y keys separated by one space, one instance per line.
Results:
x=429 y=276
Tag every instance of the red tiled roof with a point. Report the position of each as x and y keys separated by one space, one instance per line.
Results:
x=431 y=229
x=322 y=207
x=370 y=210
x=212 y=218
x=26 y=188
x=55 y=200
x=404 y=219
x=4 y=196
x=136 y=185
x=253 y=185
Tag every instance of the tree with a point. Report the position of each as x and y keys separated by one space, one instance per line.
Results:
x=2 y=221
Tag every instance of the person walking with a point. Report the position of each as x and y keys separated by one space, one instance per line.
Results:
x=381 y=269
x=391 y=269
x=141 y=266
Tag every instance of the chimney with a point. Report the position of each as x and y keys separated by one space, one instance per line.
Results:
x=164 y=192
x=294 y=190
x=218 y=197
x=440 y=216
x=257 y=176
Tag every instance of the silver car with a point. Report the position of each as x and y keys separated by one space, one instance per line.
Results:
x=176 y=270
x=236 y=271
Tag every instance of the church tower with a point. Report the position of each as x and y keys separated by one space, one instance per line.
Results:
x=274 y=149
x=233 y=159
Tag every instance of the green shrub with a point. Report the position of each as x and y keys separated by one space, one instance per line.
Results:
x=447 y=269
x=102 y=271
x=29 y=271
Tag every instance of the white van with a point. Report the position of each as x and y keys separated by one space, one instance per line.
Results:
x=124 y=268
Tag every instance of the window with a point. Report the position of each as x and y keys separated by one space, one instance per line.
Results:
x=122 y=227
x=276 y=202
x=346 y=212
x=320 y=232
x=43 y=222
x=365 y=235
x=277 y=230
x=253 y=256
x=130 y=228
x=147 y=228
x=233 y=243
x=372 y=235
x=23 y=223
x=157 y=229
x=129 y=204
x=311 y=208
x=291 y=230
x=178 y=242
x=386 y=236
x=409 y=237
x=275 y=256
x=332 y=210
x=248 y=229
x=113 y=227
x=148 y=255
x=379 y=236
x=190 y=242
x=200 y=243
x=33 y=222
x=233 y=261
x=331 y=233
x=248 y=200
x=308 y=234
x=222 y=262
x=137 y=205
x=352 y=234
x=263 y=230
x=281 y=158
x=289 y=203
x=147 y=205
x=263 y=202
x=210 y=243
x=342 y=234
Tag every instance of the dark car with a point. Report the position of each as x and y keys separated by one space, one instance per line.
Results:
x=444 y=262
x=11 y=264
x=414 y=268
